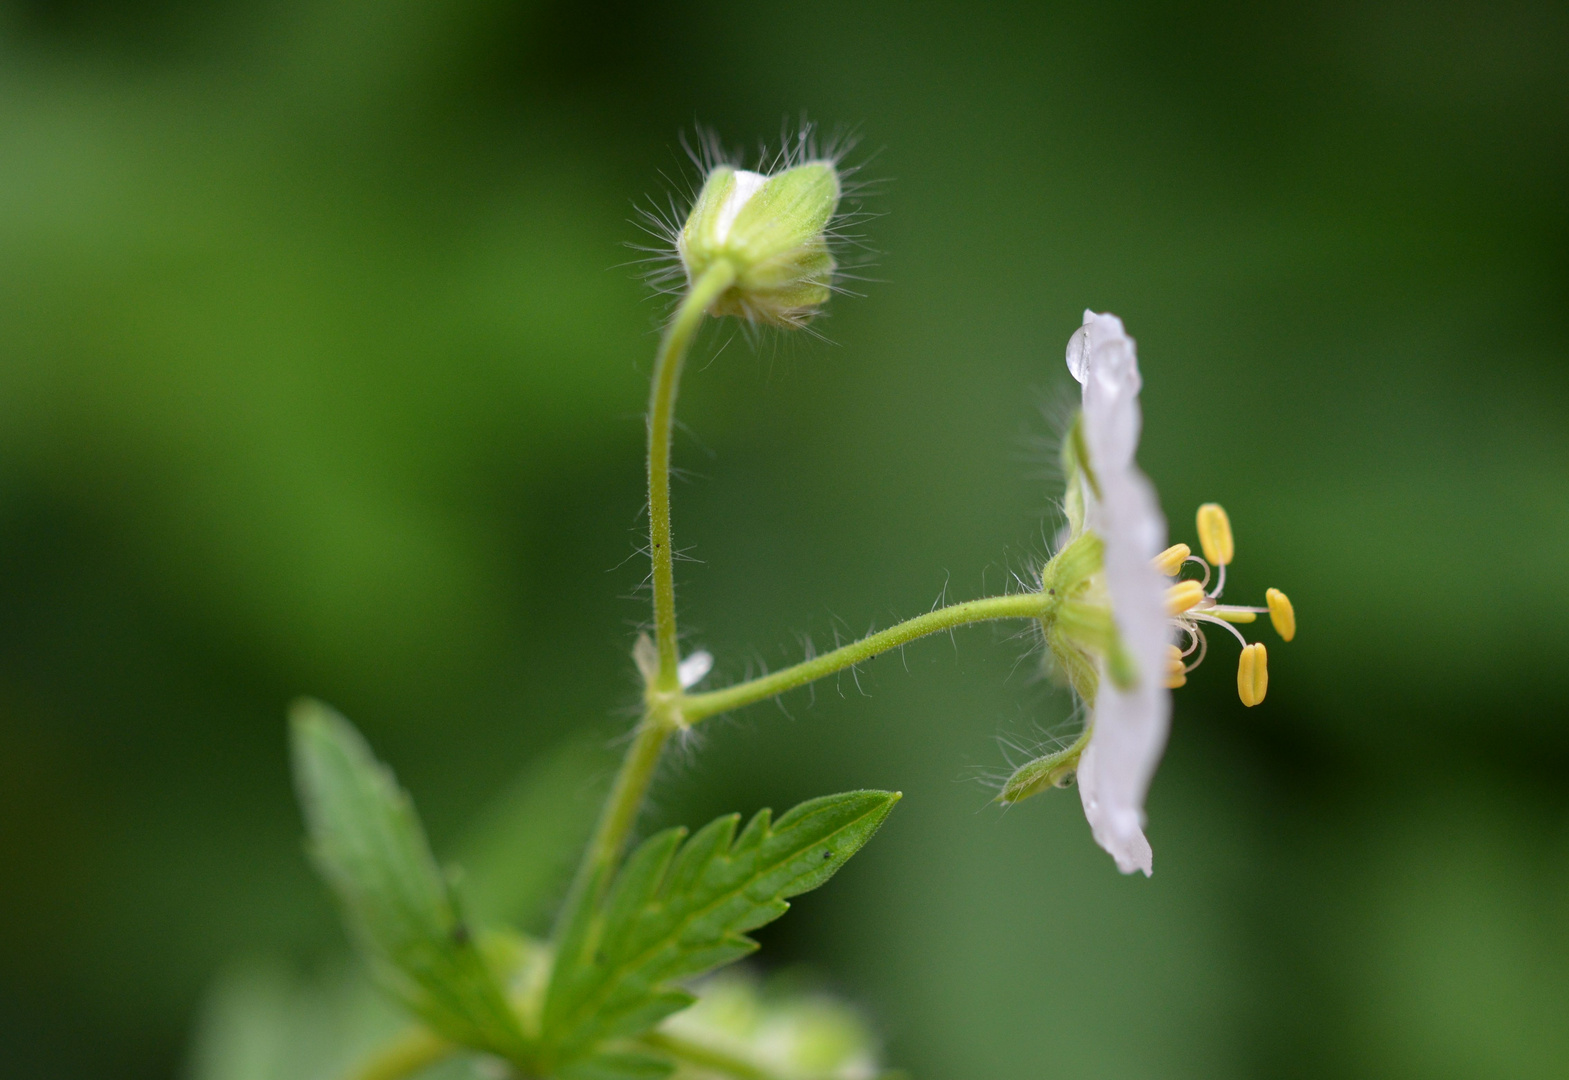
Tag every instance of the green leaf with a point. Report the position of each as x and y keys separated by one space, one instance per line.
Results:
x=367 y=842
x=677 y=910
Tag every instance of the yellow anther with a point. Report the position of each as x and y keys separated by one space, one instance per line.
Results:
x=1281 y=613
x=1253 y=674
x=1234 y=615
x=1182 y=596
x=1168 y=562
x=1215 y=534
x=1176 y=670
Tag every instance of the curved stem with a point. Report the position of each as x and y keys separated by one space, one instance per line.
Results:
x=673 y=348
x=696 y=707
x=405 y=1056
x=619 y=814
x=669 y=709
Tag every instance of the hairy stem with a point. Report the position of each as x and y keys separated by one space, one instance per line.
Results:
x=696 y=707
x=668 y=712
x=673 y=348
x=619 y=814
x=407 y=1055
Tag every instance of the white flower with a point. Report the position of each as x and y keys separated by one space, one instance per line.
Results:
x=1129 y=721
x=1116 y=604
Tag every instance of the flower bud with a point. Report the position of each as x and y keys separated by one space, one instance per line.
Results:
x=772 y=231
x=1054 y=770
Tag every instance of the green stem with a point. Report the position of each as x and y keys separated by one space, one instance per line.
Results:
x=696 y=707
x=618 y=815
x=661 y=419
x=407 y=1055
x=620 y=811
x=670 y=711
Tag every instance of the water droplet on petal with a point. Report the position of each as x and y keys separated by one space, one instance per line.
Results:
x=1079 y=353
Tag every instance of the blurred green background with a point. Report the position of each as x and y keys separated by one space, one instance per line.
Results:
x=319 y=373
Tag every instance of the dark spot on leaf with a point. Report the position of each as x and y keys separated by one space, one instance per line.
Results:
x=828 y=854
x=460 y=934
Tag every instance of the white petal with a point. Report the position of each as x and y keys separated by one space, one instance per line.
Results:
x=1130 y=726
x=691 y=671
x=1114 y=830
x=1111 y=392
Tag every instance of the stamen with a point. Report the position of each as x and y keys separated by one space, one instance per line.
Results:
x=1253 y=674
x=1176 y=673
x=1205 y=565
x=1170 y=561
x=1281 y=613
x=1206 y=617
x=1196 y=640
x=1215 y=534
x=1233 y=614
x=1183 y=596
x=1220 y=583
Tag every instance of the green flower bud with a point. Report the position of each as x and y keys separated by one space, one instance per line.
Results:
x=1054 y=770
x=772 y=231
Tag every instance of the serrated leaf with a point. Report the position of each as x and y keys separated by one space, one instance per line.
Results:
x=366 y=840
x=677 y=910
